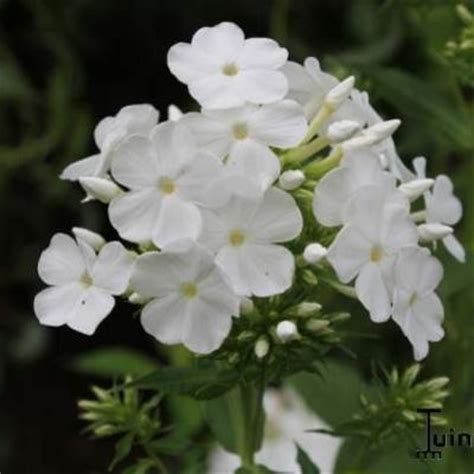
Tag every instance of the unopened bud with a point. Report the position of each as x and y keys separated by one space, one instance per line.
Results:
x=342 y=130
x=383 y=130
x=314 y=253
x=104 y=190
x=437 y=383
x=291 y=179
x=433 y=231
x=261 y=347
x=246 y=306
x=415 y=188
x=317 y=325
x=135 y=298
x=309 y=277
x=96 y=241
x=287 y=331
x=338 y=94
x=411 y=374
x=174 y=113
x=307 y=307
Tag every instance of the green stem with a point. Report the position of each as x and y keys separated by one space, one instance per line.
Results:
x=320 y=168
x=324 y=113
x=302 y=152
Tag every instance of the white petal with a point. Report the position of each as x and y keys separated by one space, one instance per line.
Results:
x=139 y=118
x=455 y=248
x=299 y=81
x=261 y=86
x=166 y=318
x=189 y=64
x=81 y=309
x=278 y=218
x=261 y=270
x=134 y=214
x=444 y=206
x=86 y=167
x=223 y=41
x=218 y=91
x=177 y=220
x=372 y=292
x=262 y=53
x=397 y=230
x=62 y=262
x=282 y=124
x=348 y=253
x=112 y=269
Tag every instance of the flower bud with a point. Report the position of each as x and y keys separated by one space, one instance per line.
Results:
x=338 y=94
x=342 y=130
x=307 y=307
x=291 y=179
x=287 y=331
x=104 y=190
x=437 y=383
x=314 y=253
x=316 y=325
x=174 y=113
x=246 y=306
x=433 y=231
x=415 y=188
x=96 y=241
x=383 y=130
x=135 y=298
x=261 y=347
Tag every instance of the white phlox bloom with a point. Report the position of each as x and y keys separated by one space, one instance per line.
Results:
x=416 y=307
x=287 y=422
x=337 y=189
x=244 y=234
x=245 y=134
x=223 y=69
x=191 y=303
x=442 y=207
x=83 y=283
x=367 y=246
x=167 y=177
x=111 y=131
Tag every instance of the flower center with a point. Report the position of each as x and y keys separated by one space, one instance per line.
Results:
x=86 y=280
x=236 y=237
x=167 y=185
x=189 y=290
x=376 y=254
x=240 y=131
x=230 y=69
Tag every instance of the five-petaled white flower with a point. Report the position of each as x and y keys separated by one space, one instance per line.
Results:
x=443 y=207
x=367 y=246
x=111 y=131
x=243 y=233
x=191 y=303
x=416 y=307
x=167 y=177
x=223 y=69
x=245 y=135
x=82 y=283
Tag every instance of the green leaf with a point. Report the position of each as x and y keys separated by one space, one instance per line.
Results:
x=202 y=381
x=122 y=449
x=111 y=362
x=307 y=466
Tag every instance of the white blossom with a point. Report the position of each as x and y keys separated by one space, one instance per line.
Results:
x=287 y=331
x=102 y=189
x=416 y=307
x=223 y=69
x=95 y=240
x=111 y=131
x=314 y=253
x=433 y=231
x=83 y=283
x=291 y=179
x=244 y=233
x=191 y=302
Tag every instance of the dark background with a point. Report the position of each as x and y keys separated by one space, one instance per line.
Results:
x=65 y=64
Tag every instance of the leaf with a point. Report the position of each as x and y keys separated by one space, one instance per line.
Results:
x=203 y=381
x=111 y=362
x=307 y=466
x=122 y=449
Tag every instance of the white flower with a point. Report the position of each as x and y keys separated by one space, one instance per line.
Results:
x=337 y=188
x=367 y=246
x=287 y=331
x=131 y=120
x=291 y=179
x=261 y=347
x=416 y=307
x=102 y=189
x=223 y=69
x=314 y=253
x=167 y=177
x=415 y=188
x=287 y=422
x=443 y=207
x=243 y=233
x=174 y=113
x=82 y=283
x=96 y=241
x=308 y=85
x=191 y=303
x=433 y=231
x=342 y=130
x=246 y=134
x=339 y=93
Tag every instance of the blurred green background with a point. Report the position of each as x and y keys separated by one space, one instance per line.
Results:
x=65 y=64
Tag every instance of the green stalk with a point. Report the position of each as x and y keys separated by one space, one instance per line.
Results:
x=320 y=168
x=324 y=113
x=302 y=152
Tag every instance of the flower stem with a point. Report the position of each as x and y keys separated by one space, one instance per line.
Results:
x=324 y=113
x=302 y=152
x=319 y=168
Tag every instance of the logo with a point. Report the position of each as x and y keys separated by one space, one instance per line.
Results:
x=435 y=442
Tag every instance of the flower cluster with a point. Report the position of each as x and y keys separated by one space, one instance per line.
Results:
x=207 y=201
